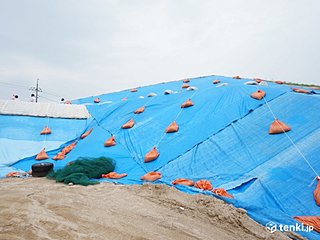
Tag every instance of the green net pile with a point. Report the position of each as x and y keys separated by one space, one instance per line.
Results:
x=82 y=170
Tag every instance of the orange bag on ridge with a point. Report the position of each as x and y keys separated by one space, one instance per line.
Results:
x=259 y=94
x=151 y=176
x=222 y=192
x=187 y=103
x=173 y=127
x=110 y=142
x=134 y=90
x=278 y=82
x=42 y=155
x=86 y=134
x=186 y=80
x=203 y=184
x=278 y=127
x=128 y=124
x=152 y=155
x=185 y=85
x=237 y=77
x=216 y=81
x=183 y=181
x=139 y=110
x=96 y=100
x=45 y=131
x=299 y=90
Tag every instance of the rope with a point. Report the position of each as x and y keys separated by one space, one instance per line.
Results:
x=290 y=139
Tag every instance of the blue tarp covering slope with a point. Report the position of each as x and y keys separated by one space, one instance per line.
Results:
x=222 y=138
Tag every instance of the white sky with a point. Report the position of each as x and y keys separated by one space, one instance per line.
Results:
x=80 y=48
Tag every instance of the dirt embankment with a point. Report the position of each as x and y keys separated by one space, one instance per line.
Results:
x=36 y=208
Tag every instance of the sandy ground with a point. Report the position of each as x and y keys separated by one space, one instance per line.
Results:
x=37 y=208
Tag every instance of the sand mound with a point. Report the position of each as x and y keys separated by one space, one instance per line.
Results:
x=36 y=208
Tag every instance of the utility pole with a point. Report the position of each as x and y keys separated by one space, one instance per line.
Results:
x=36 y=89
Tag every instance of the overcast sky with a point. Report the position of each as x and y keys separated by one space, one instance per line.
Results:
x=81 y=48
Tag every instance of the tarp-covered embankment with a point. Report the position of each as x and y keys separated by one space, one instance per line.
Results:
x=222 y=137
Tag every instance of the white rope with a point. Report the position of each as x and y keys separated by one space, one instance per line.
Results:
x=290 y=139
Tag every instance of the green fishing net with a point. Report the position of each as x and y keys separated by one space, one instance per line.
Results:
x=82 y=170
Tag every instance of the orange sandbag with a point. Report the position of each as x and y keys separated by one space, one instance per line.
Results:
x=73 y=145
x=59 y=156
x=278 y=127
x=185 y=85
x=316 y=193
x=259 y=94
x=96 y=100
x=45 y=131
x=278 y=82
x=13 y=174
x=134 y=90
x=173 y=127
x=222 y=192
x=237 y=77
x=128 y=124
x=86 y=134
x=216 y=81
x=203 y=184
x=299 y=90
x=183 y=181
x=151 y=176
x=110 y=142
x=42 y=155
x=186 y=80
x=139 y=110
x=186 y=104
x=114 y=175
x=258 y=80
x=66 y=149
x=152 y=155
x=313 y=221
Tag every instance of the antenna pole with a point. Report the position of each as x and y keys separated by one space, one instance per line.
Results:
x=36 y=89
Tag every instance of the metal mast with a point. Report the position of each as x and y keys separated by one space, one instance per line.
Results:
x=36 y=89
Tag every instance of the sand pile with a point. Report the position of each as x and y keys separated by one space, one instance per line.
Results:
x=37 y=208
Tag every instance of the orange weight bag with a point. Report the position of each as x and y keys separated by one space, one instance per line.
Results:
x=222 y=192
x=278 y=127
x=183 y=181
x=259 y=94
x=173 y=127
x=110 y=142
x=139 y=110
x=152 y=155
x=216 y=81
x=128 y=124
x=86 y=134
x=42 y=155
x=151 y=176
x=45 y=131
x=186 y=104
x=114 y=175
x=316 y=192
x=313 y=221
x=203 y=184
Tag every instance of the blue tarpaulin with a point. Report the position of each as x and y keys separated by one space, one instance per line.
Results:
x=223 y=138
